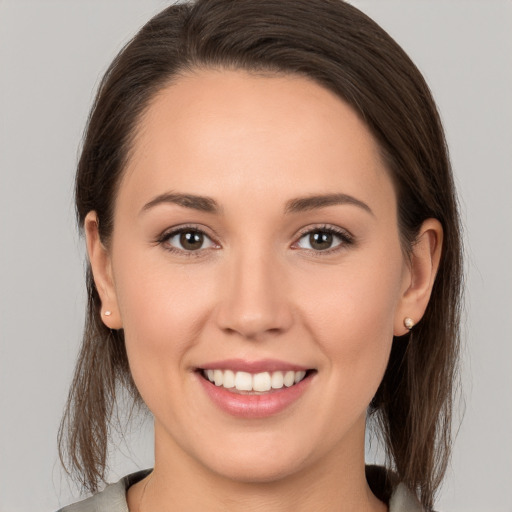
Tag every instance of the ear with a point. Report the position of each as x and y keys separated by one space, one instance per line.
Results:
x=423 y=266
x=101 y=266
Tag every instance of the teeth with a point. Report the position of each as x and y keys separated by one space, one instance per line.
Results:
x=243 y=381
x=289 y=379
x=299 y=376
x=277 y=380
x=261 y=382
x=228 y=380
x=218 y=377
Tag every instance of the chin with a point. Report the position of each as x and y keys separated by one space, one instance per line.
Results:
x=252 y=458
x=257 y=472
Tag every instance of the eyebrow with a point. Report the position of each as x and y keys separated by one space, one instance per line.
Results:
x=300 y=204
x=322 y=201
x=201 y=203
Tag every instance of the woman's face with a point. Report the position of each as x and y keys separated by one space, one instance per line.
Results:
x=255 y=244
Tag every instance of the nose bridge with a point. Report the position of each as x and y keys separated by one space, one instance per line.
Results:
x=254 y=300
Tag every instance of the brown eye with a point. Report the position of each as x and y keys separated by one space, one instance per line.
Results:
x=188 y=240
x=322 y=240
x=191 y=240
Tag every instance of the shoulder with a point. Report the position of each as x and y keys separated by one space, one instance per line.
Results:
x=387 y=488
x=111 y=499
x=403 y=500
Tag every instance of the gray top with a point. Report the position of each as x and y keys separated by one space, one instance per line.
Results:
x=113 y=497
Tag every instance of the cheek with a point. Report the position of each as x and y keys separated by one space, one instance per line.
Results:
x=350 y=312
x=162 y=314
x=355 y=303
x=154 y=295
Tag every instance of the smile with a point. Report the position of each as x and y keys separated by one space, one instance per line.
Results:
x=254 y=390
x=259 y=382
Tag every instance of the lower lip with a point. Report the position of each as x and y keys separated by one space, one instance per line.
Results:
x=254 y=406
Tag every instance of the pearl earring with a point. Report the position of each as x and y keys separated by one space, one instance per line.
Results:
x=107 y=313
x=409 y=323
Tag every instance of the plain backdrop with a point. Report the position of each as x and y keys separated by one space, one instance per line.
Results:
x=52 y=54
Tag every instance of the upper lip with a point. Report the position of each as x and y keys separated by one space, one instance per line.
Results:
x=261 y=365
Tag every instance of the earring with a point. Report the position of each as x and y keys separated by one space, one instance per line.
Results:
x=107 y=313
x=409 y=323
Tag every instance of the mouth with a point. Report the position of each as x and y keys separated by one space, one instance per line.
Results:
x=241 y=382
x=255 y=389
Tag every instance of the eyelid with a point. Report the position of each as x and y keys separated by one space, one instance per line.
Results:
x=176 y=230
x=344 y=235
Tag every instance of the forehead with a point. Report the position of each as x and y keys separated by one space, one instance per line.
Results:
x=214 y=131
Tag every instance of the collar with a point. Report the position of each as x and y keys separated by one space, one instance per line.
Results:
x=382 y=483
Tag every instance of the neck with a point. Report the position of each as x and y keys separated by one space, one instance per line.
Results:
x=179 y=482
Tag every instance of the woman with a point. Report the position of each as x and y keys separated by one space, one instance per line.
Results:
x=274 y=255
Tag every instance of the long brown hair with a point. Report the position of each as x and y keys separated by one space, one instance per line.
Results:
x=339 y=47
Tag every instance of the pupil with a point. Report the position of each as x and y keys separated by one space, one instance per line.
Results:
x=320 y=240
x=191 y=240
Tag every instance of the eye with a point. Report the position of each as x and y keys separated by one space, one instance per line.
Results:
x=187 y=239
x=323 y=239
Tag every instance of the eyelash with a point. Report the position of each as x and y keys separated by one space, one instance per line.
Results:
x=164 y=238
x=346 y=239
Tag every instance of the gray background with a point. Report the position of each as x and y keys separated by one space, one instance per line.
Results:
x=52 y=54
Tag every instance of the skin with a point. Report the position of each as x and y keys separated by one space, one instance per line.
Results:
x=258 y=290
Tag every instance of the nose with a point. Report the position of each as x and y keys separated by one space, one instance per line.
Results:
x=255 y=302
